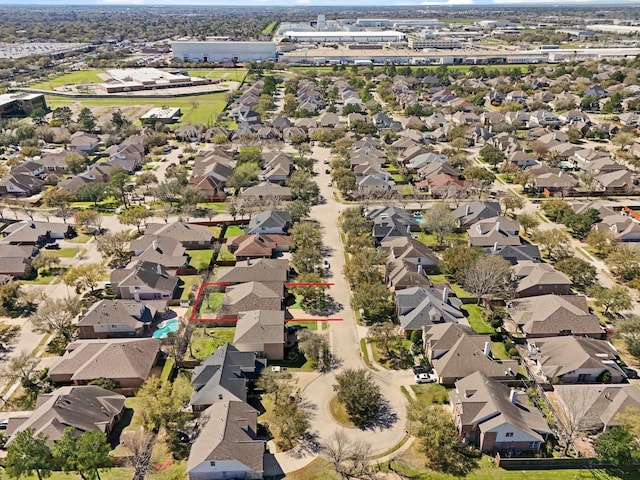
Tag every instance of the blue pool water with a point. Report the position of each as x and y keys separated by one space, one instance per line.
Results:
x=166 y=327
x=418 y=216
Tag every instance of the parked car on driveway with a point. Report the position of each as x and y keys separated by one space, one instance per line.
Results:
x=417 y=369
x=52 y=246
x=425 y=378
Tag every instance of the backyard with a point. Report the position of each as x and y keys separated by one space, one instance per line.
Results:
x=206 y=340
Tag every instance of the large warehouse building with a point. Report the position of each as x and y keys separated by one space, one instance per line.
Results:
x=345 y=37
x=223 y=51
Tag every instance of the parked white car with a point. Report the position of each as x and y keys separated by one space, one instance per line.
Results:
x=425 y=378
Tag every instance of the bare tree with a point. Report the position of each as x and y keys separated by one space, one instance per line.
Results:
x=488 y=276
x=348 y=457
x=573 y=413
x=140 y=446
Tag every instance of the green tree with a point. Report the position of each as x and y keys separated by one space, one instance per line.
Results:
x=364 y=267
x=479 y=177
x=360 y=395
x=492 y=155
x=555 y=242
x=438 y=437
x=89 y=219
x=62 y=115
x=374 y=300
x=457 y=259
x=249 y=155
x=298 y=209
x=86 y=120
x=511 y=202
x=146 y=179
x=92 y=192
x=624 y=262
x=28 y=453
x=613 y=300
x=316 y=350
x=628 y=329
x=617 y=446
x=134 y=216
x=580 y=272
x=244 y=175
x=45 y=262
x=118 y=186
x=76 y=162
x=84 y=276
x=440 y=221
x=85 y=454
x=113 y=247
x=556 y=210
x=527 y=221
x=601 y=240
x=303 y=187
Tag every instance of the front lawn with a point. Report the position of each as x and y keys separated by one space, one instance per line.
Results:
x=62 y=253
x=429 y=239
x=206 y=340
x=431 y=393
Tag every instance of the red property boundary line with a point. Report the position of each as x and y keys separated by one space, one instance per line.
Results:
x=196 y=306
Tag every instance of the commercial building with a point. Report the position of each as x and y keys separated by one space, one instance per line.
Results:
x=345 y=37
x=136 y=79
x=161 y=114
x=217 y=51
x=20 y=104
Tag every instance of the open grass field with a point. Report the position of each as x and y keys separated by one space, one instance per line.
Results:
x=268 y=30
x=201 y=109
x=70 y=78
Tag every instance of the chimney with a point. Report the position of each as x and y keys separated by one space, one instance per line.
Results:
x=154 y=245
x=513 y=396
x=559 y=173
x=467 y=210
x=445 y=295
x=159 y=269
x=420 y=269
x=497 y=226
x=495 y=247
x=408 y=229
x=487 y=349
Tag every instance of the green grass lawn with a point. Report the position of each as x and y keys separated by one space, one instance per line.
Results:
x=200 y=258
x=41 y=279
x=80 y=238
x=205 y=340
x=307 y=325
x=62 y=253
x=70 y=78
x=475 y=318
x=184 y=287
x=268 y=30
x=429 y=239
x=233 y=231
x=116 y=473
x=201 y=109
x=231 y=74
x=221 y=207
x=431 y=393
x=211 y=304
x=499 y=351
x=225 y=254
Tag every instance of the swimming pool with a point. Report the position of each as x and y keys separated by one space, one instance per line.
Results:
x=166 y=327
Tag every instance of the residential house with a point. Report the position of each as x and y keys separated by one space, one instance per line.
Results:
x=494 y=232
x=259 y=245
x=495 y=418
x=456 y=351
x=270 y=221
x=418 y=307
x=16 y=259
x=265 y=192
x=224 y=376
x=535 y=278
x=166 y=251
x=521 y=159
x=190 y=236
x=225 y=445
x=410 y=250
x=515 y=254
x=143 y=281
x=29 y=232
x=400 y=273
x=244 y=114
x=84 y=142
x=620 y=181
x=115 y=318
x=570 y=359
x=253 y=295
x=189 y=133
x=83 y=408
x=469 y=213
x=20 y=185
x=552 y=182
x=329 y=120
x=554 y=315
x=596 y=407
x=261 y=331
x=260 y=270
x=126 y=362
